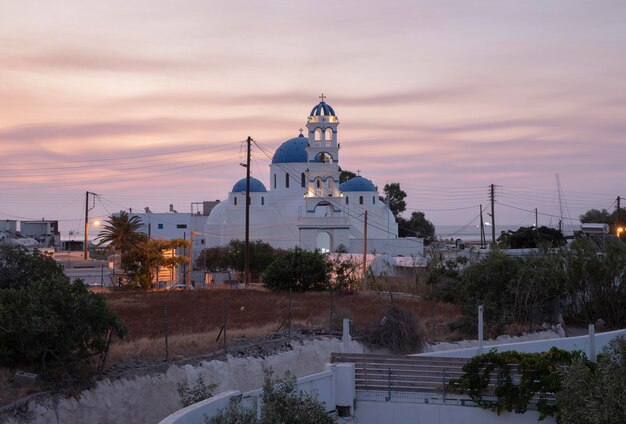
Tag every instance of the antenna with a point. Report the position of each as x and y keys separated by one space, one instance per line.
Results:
x=558 y=187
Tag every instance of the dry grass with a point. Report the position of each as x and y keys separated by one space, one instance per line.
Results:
x=197 y=316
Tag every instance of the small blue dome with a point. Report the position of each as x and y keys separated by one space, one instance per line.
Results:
x=357 y=184
x=322 y=109
x=256 y=186
x=292 y=151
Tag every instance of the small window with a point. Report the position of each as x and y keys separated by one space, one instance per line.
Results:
x=347 y=200
x=287 y=180
x=235 y=201
x=160 y=226
x=317 y=183
x=274 y=180
x=262 y=201
x=302 y=180
x=181 y=225
x=373 y=200
x=360 y=200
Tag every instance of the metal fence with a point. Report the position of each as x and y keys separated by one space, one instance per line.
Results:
x=415 y=379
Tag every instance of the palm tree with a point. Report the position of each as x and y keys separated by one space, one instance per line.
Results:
x=121 y=232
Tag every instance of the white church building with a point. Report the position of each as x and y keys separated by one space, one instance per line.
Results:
x=306 y=205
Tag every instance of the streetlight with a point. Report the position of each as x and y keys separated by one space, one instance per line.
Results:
x=620 y=231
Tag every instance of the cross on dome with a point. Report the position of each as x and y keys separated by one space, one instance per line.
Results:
x=322 y=97
x=358 y=172
x=300 y=131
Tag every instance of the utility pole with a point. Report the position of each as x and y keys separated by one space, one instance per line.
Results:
x=246 y=260
x=618 y=221
x=364 y=249
x=536 y=219
x=493 y=214
x=87 y=209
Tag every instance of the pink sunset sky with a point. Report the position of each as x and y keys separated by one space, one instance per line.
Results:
x=147 y=102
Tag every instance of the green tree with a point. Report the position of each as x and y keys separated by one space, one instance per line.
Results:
x=345 y=175
x=531 y=237
x=416 y=226
x=121 y=232
x=48 y=320
x=596 y=281
x=595 y=394
x=20 y=267
x=298 y=269
x=395 y=198
x=604 y=217
x=144 y=258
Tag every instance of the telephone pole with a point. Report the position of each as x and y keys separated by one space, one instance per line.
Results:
x=246 y=260
x=364 y=249
x=87 y=209
x=618 y=221
x=493 y=214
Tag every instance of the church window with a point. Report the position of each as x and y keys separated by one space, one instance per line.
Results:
x=317 y=183
x=274 y=180
x=347 y=200
x=262 y=201
x=287 y=180
x=302 y=180
x=328 y=136
x=318 y=134
x=235 y=201
x=373 y=200
x=360 y=200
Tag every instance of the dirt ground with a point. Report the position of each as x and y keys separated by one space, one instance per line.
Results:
x=256 y=325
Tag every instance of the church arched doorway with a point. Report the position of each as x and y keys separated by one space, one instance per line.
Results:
x=324 y=242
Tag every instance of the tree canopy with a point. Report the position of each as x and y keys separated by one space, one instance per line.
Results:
x=232 y=256
x=395 y=198
x=45 y=319
x=300 y=270
x=531 y=237
x=416 y=226
x=121 y=232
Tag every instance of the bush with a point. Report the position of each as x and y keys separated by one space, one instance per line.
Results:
x=197 y=393
x=595 y=394
x=281 y=403
x=398 y=330
x=538 y=378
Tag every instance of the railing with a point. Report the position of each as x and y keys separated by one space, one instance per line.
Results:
x=415 y=379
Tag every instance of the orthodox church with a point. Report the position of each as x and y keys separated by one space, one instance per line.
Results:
x=306 y=205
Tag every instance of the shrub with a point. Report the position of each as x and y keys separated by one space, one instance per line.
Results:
x=196 y=393
x=595 y=394
x=281 y=403
x=398 y=330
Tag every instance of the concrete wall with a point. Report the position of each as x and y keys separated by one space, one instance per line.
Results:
x=568 y=343
x=150 y=398
x=372 y=412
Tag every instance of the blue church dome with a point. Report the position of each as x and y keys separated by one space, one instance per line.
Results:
x=357 y=183
x=256 y=186
x=322 y=109
x=291 y=151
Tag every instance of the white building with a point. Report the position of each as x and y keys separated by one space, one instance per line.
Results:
x=306 y=205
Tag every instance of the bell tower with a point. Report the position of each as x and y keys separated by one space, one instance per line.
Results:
x=322 y=175
x=322 y=225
